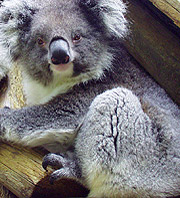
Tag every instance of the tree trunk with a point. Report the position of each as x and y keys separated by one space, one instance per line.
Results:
x=21 y=172
x=155 y=46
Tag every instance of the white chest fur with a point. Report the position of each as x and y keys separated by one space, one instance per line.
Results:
x=36 y=93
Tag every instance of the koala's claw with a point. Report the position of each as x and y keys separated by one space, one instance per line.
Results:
x=66 y=167
x=53 y=160
x=58 y=174
x=6 y=107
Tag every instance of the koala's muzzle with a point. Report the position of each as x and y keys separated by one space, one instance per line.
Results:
x=59 y=52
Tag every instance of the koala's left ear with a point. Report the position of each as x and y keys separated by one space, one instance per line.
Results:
x=106 y=14
x=16 y=16
x=15 y=23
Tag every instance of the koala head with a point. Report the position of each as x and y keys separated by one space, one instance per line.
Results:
x=61 y=38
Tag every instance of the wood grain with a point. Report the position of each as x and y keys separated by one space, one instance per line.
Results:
x=171 y=8
x=155 y=47
x=21 y=173
x=20 y=169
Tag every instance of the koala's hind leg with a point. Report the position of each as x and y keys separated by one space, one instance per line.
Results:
x=117 y=150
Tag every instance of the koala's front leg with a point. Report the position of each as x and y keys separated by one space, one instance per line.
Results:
x=51 y=125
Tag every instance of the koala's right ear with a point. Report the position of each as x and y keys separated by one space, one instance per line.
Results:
x=15 y=22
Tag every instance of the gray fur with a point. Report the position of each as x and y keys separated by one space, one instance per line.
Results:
x=132 y=154
x=127 y=140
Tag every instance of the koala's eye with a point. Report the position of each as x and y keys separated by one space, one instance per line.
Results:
x=76 y=38
x=40 y=42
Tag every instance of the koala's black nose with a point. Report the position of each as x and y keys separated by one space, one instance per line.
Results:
x=59 y=51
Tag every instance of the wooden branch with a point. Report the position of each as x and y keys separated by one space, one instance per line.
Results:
x=21 y=172
x=155 y=47
x=171 y=8
x=20 y=169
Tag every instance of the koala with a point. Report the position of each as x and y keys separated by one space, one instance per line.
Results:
x=103 y=119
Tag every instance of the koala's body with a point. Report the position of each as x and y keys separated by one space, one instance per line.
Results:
x=84 y=90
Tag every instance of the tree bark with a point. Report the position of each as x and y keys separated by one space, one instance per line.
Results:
x=171 y=8
x=155 y=47
x=21 y=172
x=20 y=169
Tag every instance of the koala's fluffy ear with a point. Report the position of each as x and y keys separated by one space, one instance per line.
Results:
x=15 y=16
x=106 y=14
x=15 y=23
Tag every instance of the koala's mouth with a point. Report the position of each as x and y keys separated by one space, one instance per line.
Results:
x=60 y=68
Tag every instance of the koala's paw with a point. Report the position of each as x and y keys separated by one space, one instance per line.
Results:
x=54 y=160
x=67 y=167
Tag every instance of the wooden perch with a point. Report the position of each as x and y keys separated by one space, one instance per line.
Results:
x=171 y=8
x=155 y=47
x=21 y=172
x=20 y=169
